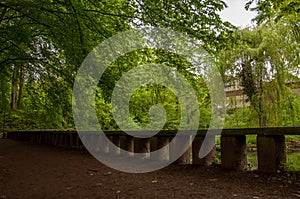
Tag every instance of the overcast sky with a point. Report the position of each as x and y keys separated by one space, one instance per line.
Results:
x=236 y=13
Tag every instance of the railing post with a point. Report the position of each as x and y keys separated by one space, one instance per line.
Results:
x=61 y=140
x=142 y=146
x=115 y=139
x=54 y=139
x=181 y=142
x=79 y=142
x=96 y=142
x=71 y=141
x=158 y=143
x=90 y=141
x=103 y=143
x=233 y=152
x=66 y=140
x=209 y=159
x=271 y=153
x=127 y=144
x=44 y=138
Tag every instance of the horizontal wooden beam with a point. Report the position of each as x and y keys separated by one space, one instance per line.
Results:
x=271 y=131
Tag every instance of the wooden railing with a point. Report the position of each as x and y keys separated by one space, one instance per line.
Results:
x=270 y=143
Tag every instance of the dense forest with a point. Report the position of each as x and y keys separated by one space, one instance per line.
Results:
x=43 y=44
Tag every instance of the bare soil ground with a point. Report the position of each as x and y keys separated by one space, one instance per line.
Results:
x=34 y=171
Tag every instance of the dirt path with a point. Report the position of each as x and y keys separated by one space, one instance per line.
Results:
x=34 y=171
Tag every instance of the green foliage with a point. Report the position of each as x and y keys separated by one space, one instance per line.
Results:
x=104 y=112
x=44 y=42
x=293 y=162
x=243 y=117
x=148 y=95
x=265 y=59
x=199 y=19
x=278 y=10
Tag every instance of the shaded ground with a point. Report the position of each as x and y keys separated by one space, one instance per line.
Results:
x=34 y=171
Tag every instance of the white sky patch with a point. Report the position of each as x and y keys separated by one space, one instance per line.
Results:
x=236 y=13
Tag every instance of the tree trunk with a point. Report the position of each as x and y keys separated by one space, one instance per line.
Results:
x=261 y=101
x=14 y=91
x=262 y=121
x=20 y=97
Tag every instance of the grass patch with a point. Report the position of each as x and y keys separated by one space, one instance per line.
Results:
x=293 y=161
x=252 y=161
x=292 y=137
x=251 y=139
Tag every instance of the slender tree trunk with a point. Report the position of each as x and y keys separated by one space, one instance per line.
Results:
x=14 y=91
x=261 y=101
x=262 y=121
x=3 y=109
x=20 y=97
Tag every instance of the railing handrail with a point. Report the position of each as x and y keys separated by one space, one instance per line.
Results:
x=268 y=131
x=270 y=143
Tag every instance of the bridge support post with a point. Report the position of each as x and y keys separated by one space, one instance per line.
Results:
x=271 y=153
x=66 y=140
x=104 y=144
x=142 y=145
x=91 y=141
x=181 y=142
x=61 y=140
x=209 y=158
x=81 y=139
x=157 y=143
x=234 y=152
x=51 y=139
x=127 y=144
x=97 y=142
x=54 y=139
x=117 y=143
x=72 y=140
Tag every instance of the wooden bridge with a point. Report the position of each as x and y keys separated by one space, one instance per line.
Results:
x=271 y=146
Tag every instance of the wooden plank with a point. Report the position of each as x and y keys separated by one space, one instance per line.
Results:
x=271 y=131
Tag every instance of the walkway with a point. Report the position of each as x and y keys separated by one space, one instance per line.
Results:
x=34 y=171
